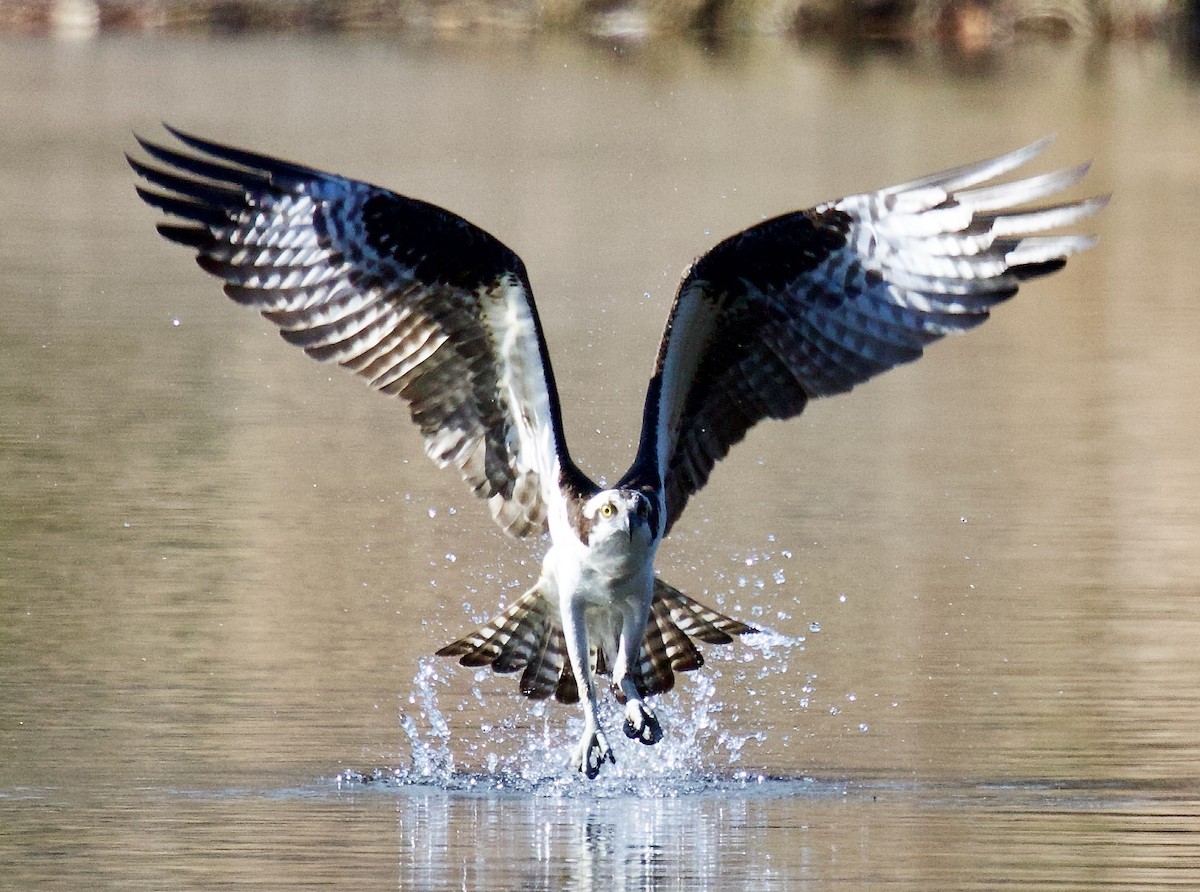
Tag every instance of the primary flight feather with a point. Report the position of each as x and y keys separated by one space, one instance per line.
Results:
x=432 y=309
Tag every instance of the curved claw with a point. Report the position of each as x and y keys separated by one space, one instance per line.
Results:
x=591 y=753
x=641 y=724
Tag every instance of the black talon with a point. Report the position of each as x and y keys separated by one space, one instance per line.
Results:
x=650 y=733
x=596 y=756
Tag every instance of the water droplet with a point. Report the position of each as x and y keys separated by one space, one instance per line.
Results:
x=432 y=512
x=177 y=322
x=842 y=599
x=814 y=627
x=863 y=728
x=450 y=556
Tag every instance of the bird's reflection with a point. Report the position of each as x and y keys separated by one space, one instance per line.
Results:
x=616 y=843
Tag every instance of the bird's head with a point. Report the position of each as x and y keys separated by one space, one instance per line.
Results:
x=618 y=512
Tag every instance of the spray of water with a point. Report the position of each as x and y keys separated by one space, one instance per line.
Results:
x=527 y=750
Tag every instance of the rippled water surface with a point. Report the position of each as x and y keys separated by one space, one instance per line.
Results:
x=223 y=568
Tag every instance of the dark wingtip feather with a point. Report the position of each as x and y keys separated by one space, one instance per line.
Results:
x=183 y=208
x=199 y=167
x=251 y=160
x=1033 y=270
x=208 y=191
x=137 y=165
x=189 y=236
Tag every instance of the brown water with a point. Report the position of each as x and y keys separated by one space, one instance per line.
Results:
x=222 y=567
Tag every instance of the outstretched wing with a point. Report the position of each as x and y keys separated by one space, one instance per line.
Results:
x=418 y=301
x=813 y=302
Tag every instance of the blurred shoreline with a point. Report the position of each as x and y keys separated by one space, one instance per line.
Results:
x=965 y=26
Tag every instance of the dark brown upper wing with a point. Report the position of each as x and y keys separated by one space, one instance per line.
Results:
x=415 y=299
x=814 y=302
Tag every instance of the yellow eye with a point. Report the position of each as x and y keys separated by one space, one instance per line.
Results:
x=608 y=509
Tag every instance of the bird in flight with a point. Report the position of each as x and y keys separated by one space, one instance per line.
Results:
x=430 y=308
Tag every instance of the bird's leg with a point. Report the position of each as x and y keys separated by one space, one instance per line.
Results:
x=640 y=722
x=593 y=749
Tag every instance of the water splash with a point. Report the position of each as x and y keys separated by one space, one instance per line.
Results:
x=527 y=749
x=426 y=727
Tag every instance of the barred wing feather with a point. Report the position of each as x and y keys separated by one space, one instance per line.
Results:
x=411 y=297
x=814 y=302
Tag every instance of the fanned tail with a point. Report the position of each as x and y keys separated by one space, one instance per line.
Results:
x=667 y=646
x=528 y=636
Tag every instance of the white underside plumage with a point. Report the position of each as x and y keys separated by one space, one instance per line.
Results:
x=429 y=308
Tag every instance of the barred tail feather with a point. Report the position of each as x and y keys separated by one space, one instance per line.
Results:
x=527 y=635
x=697 y=620
x=546 y=671
x=667 y=647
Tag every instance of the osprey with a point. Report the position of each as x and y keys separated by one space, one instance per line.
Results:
x=430 y=308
